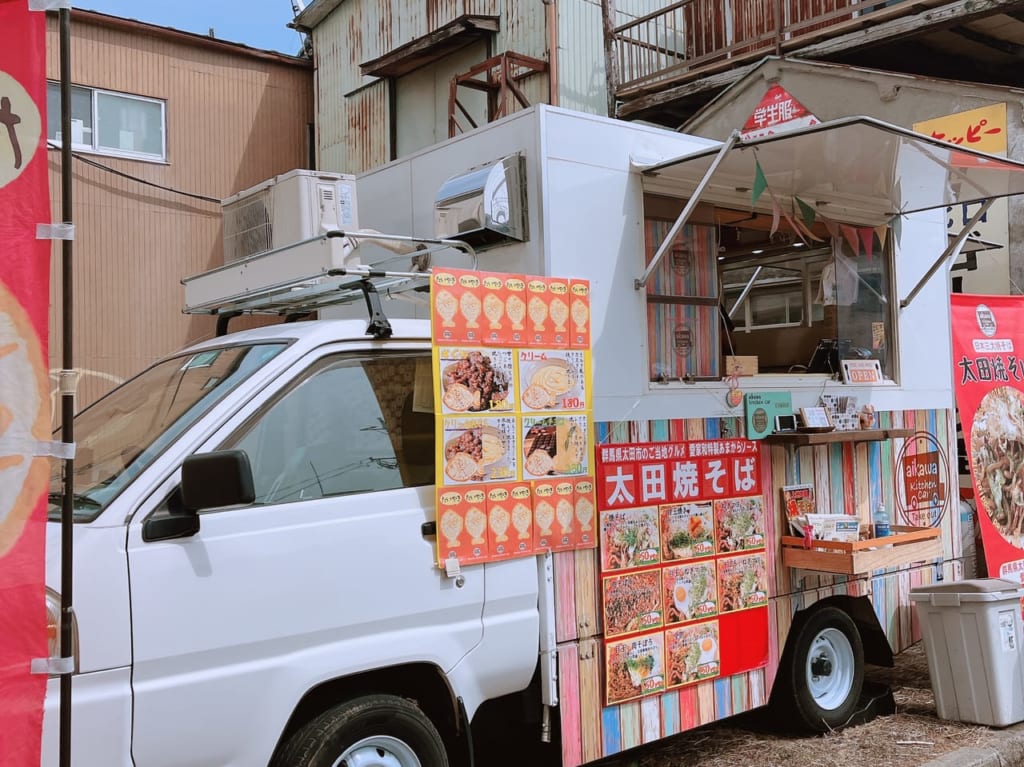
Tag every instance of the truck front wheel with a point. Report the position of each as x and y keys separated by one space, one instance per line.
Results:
x=372 y=731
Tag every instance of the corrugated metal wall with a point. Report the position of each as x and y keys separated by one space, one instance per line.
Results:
x=354 y=136
x=582 y=80
x=233 y=119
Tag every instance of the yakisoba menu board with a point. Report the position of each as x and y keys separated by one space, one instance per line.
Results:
x=512 y=393
x=684 y=579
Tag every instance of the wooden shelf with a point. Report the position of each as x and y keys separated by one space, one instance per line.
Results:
x=904 y=545
x=802 y=438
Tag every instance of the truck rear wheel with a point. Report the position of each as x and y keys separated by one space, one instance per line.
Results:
x=372 y=731
x=823 y=680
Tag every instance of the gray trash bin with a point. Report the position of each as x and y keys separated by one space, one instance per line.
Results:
x=972 y=636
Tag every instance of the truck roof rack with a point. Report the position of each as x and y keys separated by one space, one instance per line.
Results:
x=301 y=278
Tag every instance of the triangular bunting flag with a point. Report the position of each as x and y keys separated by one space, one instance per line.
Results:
x=760 y=184
x=831 y=226
x=776 y=215
x=806 y=211
x=867 y=237
x=896 y=222
x=882 y=231
x=850 y=235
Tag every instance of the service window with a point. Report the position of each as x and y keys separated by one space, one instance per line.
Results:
x=750 y=288
x=351 y=425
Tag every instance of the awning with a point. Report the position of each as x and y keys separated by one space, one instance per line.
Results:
x=855 y=170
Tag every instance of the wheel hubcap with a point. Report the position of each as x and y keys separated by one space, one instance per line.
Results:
x=830 y=667
x=378 y=751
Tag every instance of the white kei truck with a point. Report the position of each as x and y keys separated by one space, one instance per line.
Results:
x=256 y=579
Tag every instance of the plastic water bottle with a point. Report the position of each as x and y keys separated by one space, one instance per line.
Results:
x=881 y=521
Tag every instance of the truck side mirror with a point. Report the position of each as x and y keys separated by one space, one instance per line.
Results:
x=208 y=481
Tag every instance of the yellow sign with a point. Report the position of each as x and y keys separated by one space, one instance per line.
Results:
x=983 y=129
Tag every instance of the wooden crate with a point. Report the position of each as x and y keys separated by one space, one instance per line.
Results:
x=904 y=545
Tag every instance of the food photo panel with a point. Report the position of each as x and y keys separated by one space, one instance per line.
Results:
x=742 y=582
x=551 y=379
x=690 y=592
x=740 y=524
x=687 y=531
x=479 y=450
x=476 y=380
x=555 y=446
x=634 y=667
x=632 y=602
x=692 y=653
x=629 y=538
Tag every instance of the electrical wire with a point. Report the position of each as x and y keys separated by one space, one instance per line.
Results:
x=130 y=177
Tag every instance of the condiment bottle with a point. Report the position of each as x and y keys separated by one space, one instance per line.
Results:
x=881 y=521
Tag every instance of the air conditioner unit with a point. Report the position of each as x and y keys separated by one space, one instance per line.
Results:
x=286 y=209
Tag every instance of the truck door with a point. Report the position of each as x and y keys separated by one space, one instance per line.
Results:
x=328 y=573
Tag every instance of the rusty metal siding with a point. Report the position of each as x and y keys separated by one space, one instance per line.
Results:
x=367 y=114
x=232 y=120
x=581 y=71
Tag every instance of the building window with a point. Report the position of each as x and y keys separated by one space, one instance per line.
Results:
x=110 y=123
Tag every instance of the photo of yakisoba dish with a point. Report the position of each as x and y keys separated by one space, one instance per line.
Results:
x=997 y=456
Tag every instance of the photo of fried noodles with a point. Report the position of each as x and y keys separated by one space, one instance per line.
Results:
x=997 y=457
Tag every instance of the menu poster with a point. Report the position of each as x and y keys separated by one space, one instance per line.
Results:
x=740 y=524
x=687 y=531
x=707 y=550
x=513 y=459
x=742 y=582
x=634 y=667
x=692 y=653
x=632 y=602
x=690 y=591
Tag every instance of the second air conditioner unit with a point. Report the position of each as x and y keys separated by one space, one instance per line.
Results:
x=286 y=209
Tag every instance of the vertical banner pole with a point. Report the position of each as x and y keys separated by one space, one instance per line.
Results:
x=67 y=393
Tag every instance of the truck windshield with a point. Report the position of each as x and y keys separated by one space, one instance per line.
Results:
x=123 y=433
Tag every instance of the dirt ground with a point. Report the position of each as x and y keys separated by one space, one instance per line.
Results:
x=910 y=737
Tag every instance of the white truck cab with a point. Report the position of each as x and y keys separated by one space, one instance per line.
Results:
x=255 y=563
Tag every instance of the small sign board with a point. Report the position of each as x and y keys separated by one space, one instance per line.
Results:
x=861 y=371
x=761 y=409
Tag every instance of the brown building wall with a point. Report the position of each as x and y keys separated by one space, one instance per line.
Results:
x=234 y=117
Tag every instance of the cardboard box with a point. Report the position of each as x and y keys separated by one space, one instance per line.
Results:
x=740 y=365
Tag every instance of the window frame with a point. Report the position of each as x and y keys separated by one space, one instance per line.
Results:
x=95 y=147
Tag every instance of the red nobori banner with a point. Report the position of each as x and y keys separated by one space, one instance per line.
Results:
x=24 y=388
x=675 y=472
x=988 y=372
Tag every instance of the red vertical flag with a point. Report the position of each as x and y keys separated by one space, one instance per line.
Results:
x=988 y=370
x=24 y=396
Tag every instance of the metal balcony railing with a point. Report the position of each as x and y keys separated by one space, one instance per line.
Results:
x=689 y=39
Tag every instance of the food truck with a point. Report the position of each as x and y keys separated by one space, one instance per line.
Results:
x=517 y=454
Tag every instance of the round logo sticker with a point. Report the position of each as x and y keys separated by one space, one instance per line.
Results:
x=20 y=129
x=986 y=320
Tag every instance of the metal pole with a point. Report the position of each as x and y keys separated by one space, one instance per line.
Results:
x=67 y=396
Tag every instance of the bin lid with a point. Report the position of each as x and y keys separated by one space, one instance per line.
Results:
x=976 y=590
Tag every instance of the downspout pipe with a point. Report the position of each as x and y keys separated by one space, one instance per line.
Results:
x=551 y=17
